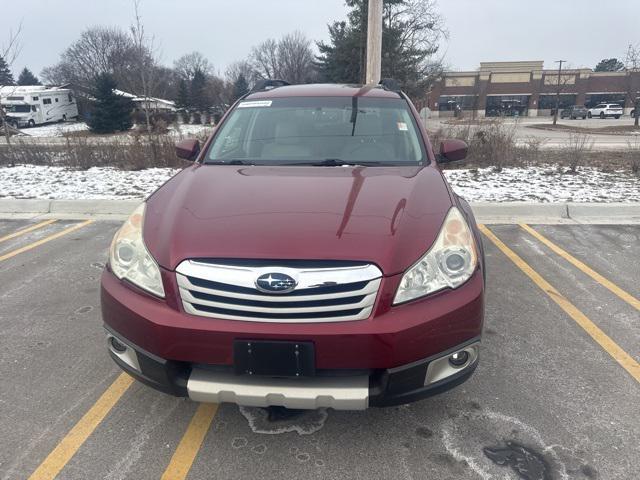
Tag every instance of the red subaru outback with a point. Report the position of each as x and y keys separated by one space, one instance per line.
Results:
x=312 y=256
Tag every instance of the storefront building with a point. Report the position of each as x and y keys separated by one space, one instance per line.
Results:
x=527 y=89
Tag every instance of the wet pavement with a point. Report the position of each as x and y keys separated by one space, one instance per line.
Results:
x=550 y=399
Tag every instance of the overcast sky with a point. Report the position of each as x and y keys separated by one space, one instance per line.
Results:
x=580 y=31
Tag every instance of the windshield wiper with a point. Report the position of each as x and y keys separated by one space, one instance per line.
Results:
x=337 y=162
x=231 y=162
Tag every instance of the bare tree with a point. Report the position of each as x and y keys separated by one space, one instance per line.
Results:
x=632 y=65
x=236 y=69
x=145 y=69
x=291 y=58
x=12 y=48
x=264 y=58
x=98 y=50
x=187 y=65
x=295 y=58
x=9 y=52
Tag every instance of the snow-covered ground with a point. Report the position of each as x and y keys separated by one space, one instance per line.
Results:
x=36 y=181
x=544 y=184
x=59 y=129
x=55 y=129
x=190 y=130
x=536 y=184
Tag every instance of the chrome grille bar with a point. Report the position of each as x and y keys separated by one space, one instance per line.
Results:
x=322 y=294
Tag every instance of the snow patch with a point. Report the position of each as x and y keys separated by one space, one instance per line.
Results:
x=57 y=183
x=532 y=184
x=55 y=129
x=544 y=184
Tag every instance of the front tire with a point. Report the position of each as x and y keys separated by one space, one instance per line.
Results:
x=31 y=124
x=589 y=115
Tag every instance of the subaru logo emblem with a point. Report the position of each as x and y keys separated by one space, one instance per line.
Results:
x=275 y=283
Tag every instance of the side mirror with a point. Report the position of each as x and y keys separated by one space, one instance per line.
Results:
x=188 y=149
x=452 y=150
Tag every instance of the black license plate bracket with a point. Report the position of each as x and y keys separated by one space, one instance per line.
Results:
x=274 y=358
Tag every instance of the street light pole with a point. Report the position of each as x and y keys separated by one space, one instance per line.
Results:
x=555 y=113
x=374 y=42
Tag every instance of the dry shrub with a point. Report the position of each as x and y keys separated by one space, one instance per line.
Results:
x=127 y=153
x=530 y=151
x=494 y=144
x=491 y=143
x=576 y=150
x=632 y=155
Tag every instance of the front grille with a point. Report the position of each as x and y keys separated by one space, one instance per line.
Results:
x=227 y=291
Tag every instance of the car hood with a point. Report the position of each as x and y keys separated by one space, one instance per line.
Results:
x=385 y=215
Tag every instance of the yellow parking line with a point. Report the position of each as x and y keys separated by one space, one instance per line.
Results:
x=617 y=353
x=627 y=297
x=45 y=240
x=189 y=446
x=69 y=445
x=26 y=230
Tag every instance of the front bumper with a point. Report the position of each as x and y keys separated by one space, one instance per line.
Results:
x=347 y=391
x=383 y=360
x=390 y=337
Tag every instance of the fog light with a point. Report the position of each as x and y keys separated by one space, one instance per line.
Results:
x=458 y=359
x=118 y=346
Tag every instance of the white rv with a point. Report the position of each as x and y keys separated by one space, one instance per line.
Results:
x=28 y=106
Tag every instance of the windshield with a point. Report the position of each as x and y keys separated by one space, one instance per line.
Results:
x=17 y=108
x=319 y=130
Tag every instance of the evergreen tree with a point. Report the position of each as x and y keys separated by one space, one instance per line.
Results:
x=240 y=87
x=340 y=60
x=199 y=96
x=27 y=78
x=183 y=102
x=609 y=65
x=111 y=112
x=410 y=35
x=6 y=78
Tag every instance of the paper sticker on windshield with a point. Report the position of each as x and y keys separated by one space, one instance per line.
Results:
x=402 y=127
x=255 y=103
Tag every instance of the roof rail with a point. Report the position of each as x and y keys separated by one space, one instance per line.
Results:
x=390 y=84
x=268 y=84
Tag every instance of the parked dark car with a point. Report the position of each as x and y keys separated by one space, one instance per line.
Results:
x=577 y=111
x=313 y=255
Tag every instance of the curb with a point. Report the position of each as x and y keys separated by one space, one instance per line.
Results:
x=486 y=212
x=68 y=207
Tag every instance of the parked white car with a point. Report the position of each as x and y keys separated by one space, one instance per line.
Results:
x=604 y=110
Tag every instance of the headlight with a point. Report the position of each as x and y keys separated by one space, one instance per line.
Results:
x=129 y=258
x=449 y=263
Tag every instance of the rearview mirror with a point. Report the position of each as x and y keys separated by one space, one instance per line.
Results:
x=188 y=149
x=452 y=150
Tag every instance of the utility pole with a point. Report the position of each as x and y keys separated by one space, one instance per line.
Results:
x=555 y=113
x=374 y=42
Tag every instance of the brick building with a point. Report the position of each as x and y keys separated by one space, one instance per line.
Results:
x=527 y=89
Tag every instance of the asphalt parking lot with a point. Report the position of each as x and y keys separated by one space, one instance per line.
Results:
x=550 y=138
x=555 y=396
